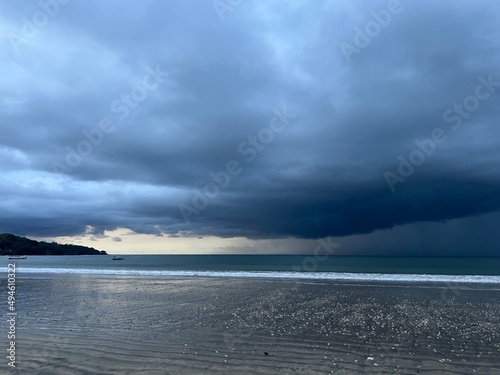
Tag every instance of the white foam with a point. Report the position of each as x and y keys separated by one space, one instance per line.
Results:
x=336 y=276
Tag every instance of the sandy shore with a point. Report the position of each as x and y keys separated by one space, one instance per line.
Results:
x=77 y=324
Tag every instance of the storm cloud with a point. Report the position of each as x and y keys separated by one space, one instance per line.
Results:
x=274 y=119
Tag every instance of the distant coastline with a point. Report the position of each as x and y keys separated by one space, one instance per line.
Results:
x=12 y=245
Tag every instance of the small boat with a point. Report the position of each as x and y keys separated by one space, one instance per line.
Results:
x=117 y=257
x=18 y=257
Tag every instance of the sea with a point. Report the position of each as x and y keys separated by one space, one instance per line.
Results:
x=337 y=268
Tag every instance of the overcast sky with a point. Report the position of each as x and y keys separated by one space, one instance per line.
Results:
x=252 y=126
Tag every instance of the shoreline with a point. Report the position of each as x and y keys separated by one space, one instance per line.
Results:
x=313 y=277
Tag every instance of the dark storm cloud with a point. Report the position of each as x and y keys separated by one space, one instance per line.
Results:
x=322 y=174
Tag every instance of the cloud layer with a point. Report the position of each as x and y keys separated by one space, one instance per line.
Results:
x=119 y=116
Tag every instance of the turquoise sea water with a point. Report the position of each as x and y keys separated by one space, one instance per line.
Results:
x=443 y=269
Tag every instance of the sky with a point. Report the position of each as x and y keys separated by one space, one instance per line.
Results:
x=243 y=126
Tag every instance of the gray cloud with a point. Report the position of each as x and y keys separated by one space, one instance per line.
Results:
x=322 y=175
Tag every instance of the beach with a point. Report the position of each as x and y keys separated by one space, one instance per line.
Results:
x=106 y=324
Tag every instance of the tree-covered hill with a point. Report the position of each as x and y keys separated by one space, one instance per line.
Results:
x=11 y=244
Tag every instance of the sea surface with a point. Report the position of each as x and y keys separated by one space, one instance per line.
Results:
x=348 y=268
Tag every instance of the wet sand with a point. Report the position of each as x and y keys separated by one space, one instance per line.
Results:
x=81 y=324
